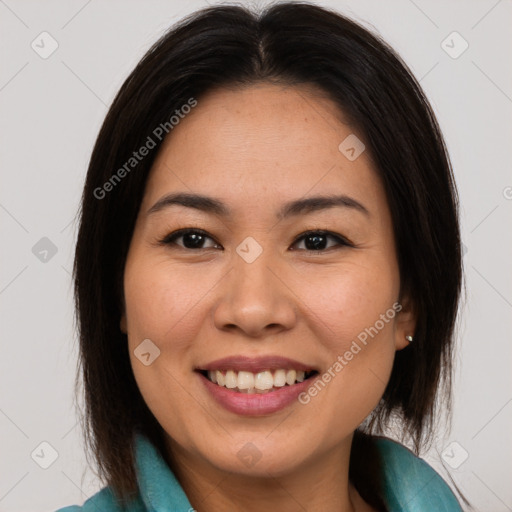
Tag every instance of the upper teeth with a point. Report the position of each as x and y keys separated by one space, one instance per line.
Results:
x=254 y=382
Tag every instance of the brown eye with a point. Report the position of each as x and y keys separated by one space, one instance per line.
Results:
x=319 y=240
x=191 y=239
x=196 y=239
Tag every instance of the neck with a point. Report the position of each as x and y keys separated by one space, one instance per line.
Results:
x=319 y=484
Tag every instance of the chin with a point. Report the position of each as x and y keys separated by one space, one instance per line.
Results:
x=259 y=456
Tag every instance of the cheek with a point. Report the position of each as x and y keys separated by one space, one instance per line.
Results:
x=354 y=314
x=348 y=304
x=162 y=306
x=161 y=302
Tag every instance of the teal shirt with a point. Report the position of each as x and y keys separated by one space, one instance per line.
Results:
x=410 y=484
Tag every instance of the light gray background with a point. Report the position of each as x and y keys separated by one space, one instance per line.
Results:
x=51 y=111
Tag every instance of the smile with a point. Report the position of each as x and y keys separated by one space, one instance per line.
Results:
x=262 y=382
x=255 y=386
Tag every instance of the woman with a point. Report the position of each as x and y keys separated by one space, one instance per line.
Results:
x=267 y=272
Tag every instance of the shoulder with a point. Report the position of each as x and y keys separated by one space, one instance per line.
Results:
x=410 y=484
x=157 y=487
x=105 y=501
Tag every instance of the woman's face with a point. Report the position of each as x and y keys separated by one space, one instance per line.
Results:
x=252 y=296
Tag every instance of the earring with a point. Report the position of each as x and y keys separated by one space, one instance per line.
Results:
x=409 y=338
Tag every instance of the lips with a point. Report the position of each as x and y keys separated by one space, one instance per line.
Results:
x=256 y=364
x=255 y=386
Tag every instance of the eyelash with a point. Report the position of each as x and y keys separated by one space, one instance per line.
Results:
x=171 y=237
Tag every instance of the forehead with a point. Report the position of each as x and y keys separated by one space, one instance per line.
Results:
x=262 y=142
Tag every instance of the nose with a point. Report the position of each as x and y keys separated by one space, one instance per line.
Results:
x=255 y=300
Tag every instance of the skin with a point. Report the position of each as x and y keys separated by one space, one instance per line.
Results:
x=256 y=148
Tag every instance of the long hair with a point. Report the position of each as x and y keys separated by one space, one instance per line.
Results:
x=288 y=43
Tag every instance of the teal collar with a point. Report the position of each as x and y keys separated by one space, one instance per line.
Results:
x=159 y=489
x=410 y=484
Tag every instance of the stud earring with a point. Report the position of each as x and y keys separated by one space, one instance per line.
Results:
x=409 y=338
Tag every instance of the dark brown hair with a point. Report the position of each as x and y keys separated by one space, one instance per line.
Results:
x=288 y=43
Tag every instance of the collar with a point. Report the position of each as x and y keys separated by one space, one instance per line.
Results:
x=410 y=484
x=159 y=489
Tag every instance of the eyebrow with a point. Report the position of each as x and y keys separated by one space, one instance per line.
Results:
x=297 y=207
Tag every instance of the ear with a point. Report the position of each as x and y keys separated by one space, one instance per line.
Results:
x=405 y=324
